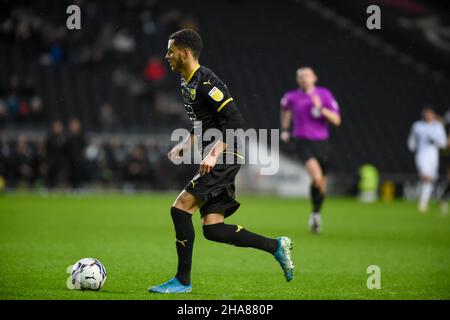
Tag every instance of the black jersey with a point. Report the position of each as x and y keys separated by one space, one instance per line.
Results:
x=207 y=99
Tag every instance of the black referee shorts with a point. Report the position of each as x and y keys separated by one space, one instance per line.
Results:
x=317 y=149
x=216 y=189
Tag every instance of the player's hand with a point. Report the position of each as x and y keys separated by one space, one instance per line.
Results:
x=285 y=136
x=207 y=164
x=176 y=153
x=316 y=101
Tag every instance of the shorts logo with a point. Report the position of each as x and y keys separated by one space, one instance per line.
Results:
x=192 y=93
x=216 y=94
x=239 y=228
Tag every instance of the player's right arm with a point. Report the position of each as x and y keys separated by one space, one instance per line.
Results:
x=440 y=138
x=412 y=139
x=285 y=118
x=176 y=153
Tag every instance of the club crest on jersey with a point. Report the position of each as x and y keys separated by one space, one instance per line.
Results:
x=216 y=94
x=192 y=93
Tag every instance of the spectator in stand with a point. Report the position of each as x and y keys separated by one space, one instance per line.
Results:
x=3 y=113
x=154 y=70
x=108 y=119
x=56 y=159
x=36 y=110
x=137 y=166
x=23 y=162
x=75 y=147
x=6 y=160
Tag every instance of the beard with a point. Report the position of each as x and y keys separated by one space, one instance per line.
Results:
x=176 y=65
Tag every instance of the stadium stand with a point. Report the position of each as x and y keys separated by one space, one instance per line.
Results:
x=112 y=76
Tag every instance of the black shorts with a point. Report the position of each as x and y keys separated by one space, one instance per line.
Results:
x=308 y=149
x=216 y=190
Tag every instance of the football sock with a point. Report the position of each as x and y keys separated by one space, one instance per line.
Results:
x=425 y=194
x=184 y=232
x=238 y=236
x=317 y=198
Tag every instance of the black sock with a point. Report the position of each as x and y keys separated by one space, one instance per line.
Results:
x=184 y=231
x=238 y=236
x=317 y=198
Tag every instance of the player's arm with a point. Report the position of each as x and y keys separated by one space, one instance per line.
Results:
x=210 y=160
x=285 y=118
x=229 y=118
x=441 y=137
x=331 y=116
x=412 y=140
x=217 y=97
x=177 y=151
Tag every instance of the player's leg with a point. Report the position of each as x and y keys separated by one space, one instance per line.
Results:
x=426 y=188
x=215 y=229
x=446 y=194
x=181 y=211
x=317 y=191
x=427 y=165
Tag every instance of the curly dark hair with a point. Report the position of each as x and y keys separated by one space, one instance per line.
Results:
x=189 y=39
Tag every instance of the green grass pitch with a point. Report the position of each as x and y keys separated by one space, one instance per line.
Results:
x=133 y=236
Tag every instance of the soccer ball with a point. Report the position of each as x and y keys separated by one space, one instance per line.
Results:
x=88 y=274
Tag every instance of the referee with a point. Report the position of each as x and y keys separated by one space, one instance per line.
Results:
x=310 y=109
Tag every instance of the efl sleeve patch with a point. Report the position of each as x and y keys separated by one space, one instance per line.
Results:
x=216 y=94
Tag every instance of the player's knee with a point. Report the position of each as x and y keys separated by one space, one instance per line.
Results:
x=184 y=202
x=318 y=182
x=213 y=232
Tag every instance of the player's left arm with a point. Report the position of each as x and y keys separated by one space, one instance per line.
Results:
x=441 y=137
x=412 y=139
x=229 y=118
x=328 y=107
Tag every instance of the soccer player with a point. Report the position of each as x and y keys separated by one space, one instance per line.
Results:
x=310 y=109
x=425 y=139
x=446 y=157
x=207 y=99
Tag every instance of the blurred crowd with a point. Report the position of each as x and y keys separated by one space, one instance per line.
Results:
x=67 y=159
x=20 y=103
x=107 y=78
x=119 y=48
x=108 y=29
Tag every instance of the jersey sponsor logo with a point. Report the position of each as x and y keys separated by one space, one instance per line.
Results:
x=192 y=93
x=216 y=94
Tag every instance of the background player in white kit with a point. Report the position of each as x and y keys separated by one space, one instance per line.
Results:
x=425 y=139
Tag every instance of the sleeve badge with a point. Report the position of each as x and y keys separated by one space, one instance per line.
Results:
x=216 y=94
